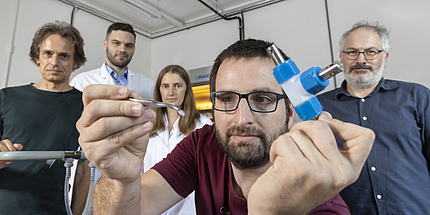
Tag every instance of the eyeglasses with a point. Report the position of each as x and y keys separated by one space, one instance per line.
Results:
x=261 y=102
x=369 y=54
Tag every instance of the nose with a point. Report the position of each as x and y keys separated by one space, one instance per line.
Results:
x=171 y=90
x=243 y=113
x=121 y=48
x=54 y=59
x=361 y=58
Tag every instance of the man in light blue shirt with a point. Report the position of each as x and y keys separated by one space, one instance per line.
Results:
x=118 y=79
x=120 y=46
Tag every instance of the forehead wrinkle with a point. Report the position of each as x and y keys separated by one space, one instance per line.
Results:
x=63 y=45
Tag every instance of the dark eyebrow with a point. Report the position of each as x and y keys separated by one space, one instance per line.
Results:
x=264 y=89
x=176 y=83
x=127 y=44
x=64 y=53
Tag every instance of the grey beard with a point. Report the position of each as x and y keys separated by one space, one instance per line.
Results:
x=366 y=83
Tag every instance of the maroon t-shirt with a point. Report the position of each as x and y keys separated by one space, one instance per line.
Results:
x=198 y=163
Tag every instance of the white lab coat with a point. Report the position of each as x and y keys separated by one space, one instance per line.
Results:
x=162 y=144
x=143 y=85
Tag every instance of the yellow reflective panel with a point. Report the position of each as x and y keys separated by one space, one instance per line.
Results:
x=202 y=97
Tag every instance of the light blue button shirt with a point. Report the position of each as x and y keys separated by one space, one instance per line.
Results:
x=119 y=80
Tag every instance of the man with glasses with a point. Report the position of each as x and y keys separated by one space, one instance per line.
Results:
x=252 y=161
x=395 y=178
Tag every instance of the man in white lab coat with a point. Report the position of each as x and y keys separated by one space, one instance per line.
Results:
x=120 y=46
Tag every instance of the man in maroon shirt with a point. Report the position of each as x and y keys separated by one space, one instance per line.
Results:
x=253 y=161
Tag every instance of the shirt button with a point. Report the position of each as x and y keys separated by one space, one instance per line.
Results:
x=364 y=118
x=373 y=168
x=363 y=100
x=378 y=196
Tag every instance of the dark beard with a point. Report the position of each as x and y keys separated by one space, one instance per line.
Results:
x=115 y=62
x=248 y=155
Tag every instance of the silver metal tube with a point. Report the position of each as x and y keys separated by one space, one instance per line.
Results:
x=275 y=54
x=157 y=104
x=40 y=155
x=330 y=70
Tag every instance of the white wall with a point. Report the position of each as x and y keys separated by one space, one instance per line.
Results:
x=93 y=30
x=7 y=23
x=33 y=14
x=193 y=48
x=299 y=27
x=22 y=70
x=410 y=33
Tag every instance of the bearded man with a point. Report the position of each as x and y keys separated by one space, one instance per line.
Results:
x=119 y=45
x=395 y=178
x=251 y=161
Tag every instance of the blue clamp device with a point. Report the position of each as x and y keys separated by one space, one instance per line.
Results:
x=302 y=88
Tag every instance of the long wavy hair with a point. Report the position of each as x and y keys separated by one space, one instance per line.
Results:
x=187 y=123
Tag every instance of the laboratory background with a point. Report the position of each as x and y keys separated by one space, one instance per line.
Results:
x=191 y=33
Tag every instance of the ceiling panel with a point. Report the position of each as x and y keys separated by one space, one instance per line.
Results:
x=156 y=18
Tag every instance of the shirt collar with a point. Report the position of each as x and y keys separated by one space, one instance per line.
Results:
x=113 y=73
x=384 y=84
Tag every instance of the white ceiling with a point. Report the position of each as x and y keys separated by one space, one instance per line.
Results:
x=186 y=13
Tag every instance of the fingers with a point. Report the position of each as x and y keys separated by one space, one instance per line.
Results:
x=113 y=130
x=358 y=142
x=118 y=122
x=347 y=131
x=6 y=146
x=99 y=91
x=107 y=108
x=105 y=148
x=133 y=94
x=316 y=141
x=18 y=147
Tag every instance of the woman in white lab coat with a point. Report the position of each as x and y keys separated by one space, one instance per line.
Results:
x=173 y=86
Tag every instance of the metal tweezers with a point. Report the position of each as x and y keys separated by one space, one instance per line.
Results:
x=156 y=104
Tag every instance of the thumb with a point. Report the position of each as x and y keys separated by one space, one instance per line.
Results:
x=18 y=146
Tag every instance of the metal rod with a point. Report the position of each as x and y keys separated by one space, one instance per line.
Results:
x=40 y=155
x=275 y=54
x=157 y=104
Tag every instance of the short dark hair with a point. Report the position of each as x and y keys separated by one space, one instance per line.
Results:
x=65 y=30
x=119 y=26
x=249 y=48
